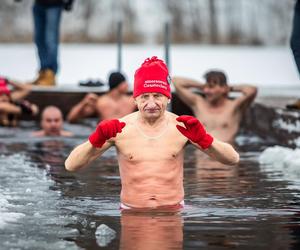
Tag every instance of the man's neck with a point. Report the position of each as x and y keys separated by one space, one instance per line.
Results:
x=152 y=128
x=52 y=134
x=153 y=122
x=115 y=94
x=218 y=103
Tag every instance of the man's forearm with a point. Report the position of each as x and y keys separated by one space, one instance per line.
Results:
x=21 y=91
x=10 y=108
x=75 y=113
x=223 y=152
x=19 y=86
x=82 y=155
x=245 y=89
x=187 y=83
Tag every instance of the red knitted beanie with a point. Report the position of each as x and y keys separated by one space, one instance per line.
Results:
x=152 y=76
x=3 y=86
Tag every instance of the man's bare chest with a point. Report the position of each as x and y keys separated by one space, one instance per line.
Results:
x=217 y=119
x=140 y=147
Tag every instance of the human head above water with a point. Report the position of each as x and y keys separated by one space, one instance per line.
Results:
x=115 y=79
x=52 y=121
x=152 y=77
x=215 y=77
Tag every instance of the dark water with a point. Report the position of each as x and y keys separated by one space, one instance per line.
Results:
x=44 y=207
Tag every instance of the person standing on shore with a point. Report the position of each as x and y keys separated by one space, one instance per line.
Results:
x=46 y=18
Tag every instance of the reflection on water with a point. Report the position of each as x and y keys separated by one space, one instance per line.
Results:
x=149 y=231
x=44 y=207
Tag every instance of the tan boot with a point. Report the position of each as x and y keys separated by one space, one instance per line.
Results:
x=48 y=78
x=39 y=77
x=295 y=105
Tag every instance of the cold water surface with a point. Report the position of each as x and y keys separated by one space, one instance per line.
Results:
x=227 y=207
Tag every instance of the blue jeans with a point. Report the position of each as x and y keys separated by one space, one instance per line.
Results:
x=295 y=38
x=46 y=34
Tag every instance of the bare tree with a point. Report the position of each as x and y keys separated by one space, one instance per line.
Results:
x=196 y=20
x=213 y=21
x=233 y=11
x=279 y=13
x=130 y=32
x=176 y=11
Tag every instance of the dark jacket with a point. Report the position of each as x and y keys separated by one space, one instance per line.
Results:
x=66 y=4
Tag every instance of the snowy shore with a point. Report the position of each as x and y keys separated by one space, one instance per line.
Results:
x=261 y=66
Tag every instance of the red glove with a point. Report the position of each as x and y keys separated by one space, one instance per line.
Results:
x=104 y=131
x=194 y=131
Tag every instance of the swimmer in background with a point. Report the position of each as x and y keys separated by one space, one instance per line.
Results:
x=150 y=144
x=220 y=115
x=116 y=103
x=13 y=103
x=52 y=123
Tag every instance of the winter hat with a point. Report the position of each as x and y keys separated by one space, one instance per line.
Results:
x=3 y=86
x=115 y=79
x=152 y=76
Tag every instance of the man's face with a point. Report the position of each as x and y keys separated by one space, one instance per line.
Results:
x=214 y=92
x=123 y=87
x=52 y=123
x=151 y=105
x=4 y=98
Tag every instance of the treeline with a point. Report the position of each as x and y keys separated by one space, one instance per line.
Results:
x=255 y=22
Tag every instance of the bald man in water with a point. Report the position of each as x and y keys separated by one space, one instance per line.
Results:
x=52 y=123
x=150 y=144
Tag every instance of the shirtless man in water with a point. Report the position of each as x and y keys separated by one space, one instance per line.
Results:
x=219 y=114
x=150 y=143
x=52 y=123
x=13 y=103
x=114 y=104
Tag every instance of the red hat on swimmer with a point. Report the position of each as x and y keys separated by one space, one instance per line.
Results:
x=3 y=87
x=152 y=76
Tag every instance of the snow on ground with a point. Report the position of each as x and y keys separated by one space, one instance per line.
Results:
x=282 y=159
x=262 y=66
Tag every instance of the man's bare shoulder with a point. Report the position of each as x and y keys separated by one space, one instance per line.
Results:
x=172 y=119
x=127 y=130
x=176 y=135
x=172 y=116
x=130 y=118
x=104 y=102
x=66 y=133
x=103 y=99
x=41 y=133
